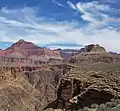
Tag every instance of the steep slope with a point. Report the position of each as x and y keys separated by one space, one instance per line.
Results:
x=27 y=88
x=60 y=86
x=83 y=89
x=29 y=49
x=2 y=52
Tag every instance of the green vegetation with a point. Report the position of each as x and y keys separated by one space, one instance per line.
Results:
x=113 y=105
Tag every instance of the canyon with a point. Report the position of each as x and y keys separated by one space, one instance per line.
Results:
x=40 y=79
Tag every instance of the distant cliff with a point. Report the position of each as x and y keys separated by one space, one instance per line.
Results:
x=24 y=49
x=94 y=54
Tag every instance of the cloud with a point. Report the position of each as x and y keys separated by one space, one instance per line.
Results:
x=57 y=3
x=71 y=5
x=89 y=11
x=93 y=11
x=25 y=23
x=98 y=15
x=109 y=1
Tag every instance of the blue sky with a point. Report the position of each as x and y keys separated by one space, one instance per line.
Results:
x=61 y=23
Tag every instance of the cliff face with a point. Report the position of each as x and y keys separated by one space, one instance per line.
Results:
x=2 y=52
x=28 y=49
x=83 y=86
x=94 y=54
x=23 y=52
x=57 y=86
x=27 y=88
x=93 y=47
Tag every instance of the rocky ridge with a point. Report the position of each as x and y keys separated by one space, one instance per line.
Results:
x=94 y=54
x=27 y=88
x=60 y=86
x=27 y=50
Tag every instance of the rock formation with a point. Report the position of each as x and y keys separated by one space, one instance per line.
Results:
x=82 y=89
x=29 y=49
x=2 y=52
x=65 y=86
x=27 y=88
x=62 y=86
x=94 y=48
x=25 y=50
x=94 y=54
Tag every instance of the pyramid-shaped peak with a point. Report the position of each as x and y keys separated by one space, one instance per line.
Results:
x=23 y=44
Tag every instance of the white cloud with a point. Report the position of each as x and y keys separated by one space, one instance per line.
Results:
x=71 y=5
x=57 y=3
x=23 y=23
x=93 y=11
x=109 y=1
x=98 y=15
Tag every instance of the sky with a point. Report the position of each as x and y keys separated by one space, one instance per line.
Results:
x=61 y=23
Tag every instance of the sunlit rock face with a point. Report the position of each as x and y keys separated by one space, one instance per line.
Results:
x=94 y=48
x=29 y=49
x=24 y=52
x=27 y=88
x=94 y=54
